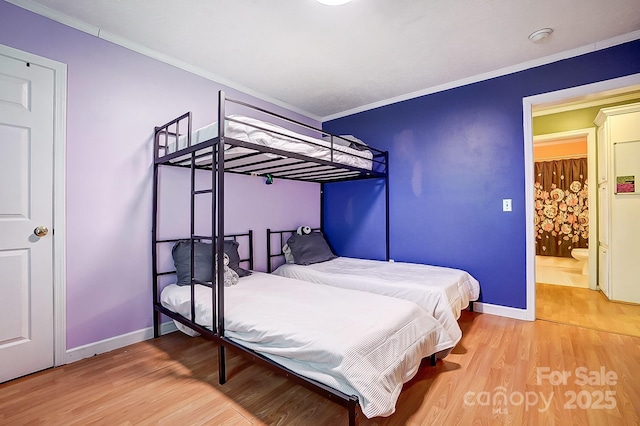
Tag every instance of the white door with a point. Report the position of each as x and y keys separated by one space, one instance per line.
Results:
x=26 y=202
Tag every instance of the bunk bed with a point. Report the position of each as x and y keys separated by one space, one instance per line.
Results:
x=238 y=144
x=442 y=292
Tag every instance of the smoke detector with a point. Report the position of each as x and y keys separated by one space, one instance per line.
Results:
x=540 y=35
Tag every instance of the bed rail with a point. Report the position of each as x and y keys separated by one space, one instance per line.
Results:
x=175 y=145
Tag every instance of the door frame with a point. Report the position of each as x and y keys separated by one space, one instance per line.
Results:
x=59 y=190
x=527 y=118
x=590 y=134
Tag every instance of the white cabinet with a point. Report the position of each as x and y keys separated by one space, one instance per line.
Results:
x=619 y=213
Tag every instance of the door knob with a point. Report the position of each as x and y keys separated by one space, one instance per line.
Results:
x=41 y=231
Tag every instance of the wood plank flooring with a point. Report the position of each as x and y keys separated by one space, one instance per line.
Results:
x=586 y=308
x=173 y=380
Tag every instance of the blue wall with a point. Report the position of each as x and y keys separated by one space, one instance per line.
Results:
x=453 y=156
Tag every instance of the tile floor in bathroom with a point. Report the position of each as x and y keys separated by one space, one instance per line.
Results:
x=565 y=271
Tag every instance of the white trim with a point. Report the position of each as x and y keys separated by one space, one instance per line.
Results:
x=59 y=211
x=97 y=32
x=592 y=170
x=502 y=311
x=527 y=107
x=590 y=134
x=561 y=137
x=586 y=104
x=530 y=249
x=117 y=342
x=60 y=214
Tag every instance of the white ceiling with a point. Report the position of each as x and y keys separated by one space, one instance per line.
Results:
x=327 y=61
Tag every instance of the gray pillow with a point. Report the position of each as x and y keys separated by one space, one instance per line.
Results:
x=310 y=248
x=231 y=248
x=203 y=258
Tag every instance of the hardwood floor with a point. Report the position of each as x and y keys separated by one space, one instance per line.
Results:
x=586 y=308
x=173 y=380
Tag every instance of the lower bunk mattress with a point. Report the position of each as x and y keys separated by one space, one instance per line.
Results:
x=442 y=292
x=361 y=344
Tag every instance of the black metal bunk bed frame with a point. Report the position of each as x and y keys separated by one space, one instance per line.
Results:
x=209 y=155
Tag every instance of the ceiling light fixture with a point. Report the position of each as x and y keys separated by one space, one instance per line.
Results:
x=540 y=35
x=333 y=2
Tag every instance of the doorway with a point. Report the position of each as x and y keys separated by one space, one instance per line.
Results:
x=574 y=215
x=614 y=317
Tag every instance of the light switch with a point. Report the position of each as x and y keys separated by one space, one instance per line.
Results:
x=506 y=205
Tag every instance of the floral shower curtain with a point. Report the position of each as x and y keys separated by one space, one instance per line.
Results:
x=561 y=206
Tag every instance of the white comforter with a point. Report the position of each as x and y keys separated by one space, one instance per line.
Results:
x=362 y=344
x=280 y=138
x=442 y=292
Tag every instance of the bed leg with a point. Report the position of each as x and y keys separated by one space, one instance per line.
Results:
x=222 y=368
x=433 y=359
x=471 y=306
x=353 y=415
x=156 y=324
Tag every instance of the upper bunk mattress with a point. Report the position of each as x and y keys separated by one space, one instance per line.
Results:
x=255 y=131
x=365 y=345
x=442 y=292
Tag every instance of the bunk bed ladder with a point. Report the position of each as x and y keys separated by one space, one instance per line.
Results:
x=158 y=131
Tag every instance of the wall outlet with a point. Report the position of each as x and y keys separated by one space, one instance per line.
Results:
x=506 y=205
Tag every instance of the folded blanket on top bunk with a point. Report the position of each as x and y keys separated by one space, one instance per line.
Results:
x=358 y=343
x=255 y=131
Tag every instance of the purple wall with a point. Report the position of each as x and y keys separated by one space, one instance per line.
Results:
x=115 y=98
x=454 y=156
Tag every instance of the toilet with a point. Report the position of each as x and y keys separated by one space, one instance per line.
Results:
x=582 y=254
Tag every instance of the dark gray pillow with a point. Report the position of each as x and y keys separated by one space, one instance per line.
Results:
x=231 y=248
x=310 y=248
x=203 y=258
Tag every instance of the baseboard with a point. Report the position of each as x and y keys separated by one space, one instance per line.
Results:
x=108 y=345
x=502 y=311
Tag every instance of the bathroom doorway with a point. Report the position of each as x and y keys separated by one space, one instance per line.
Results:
x=565 y=213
